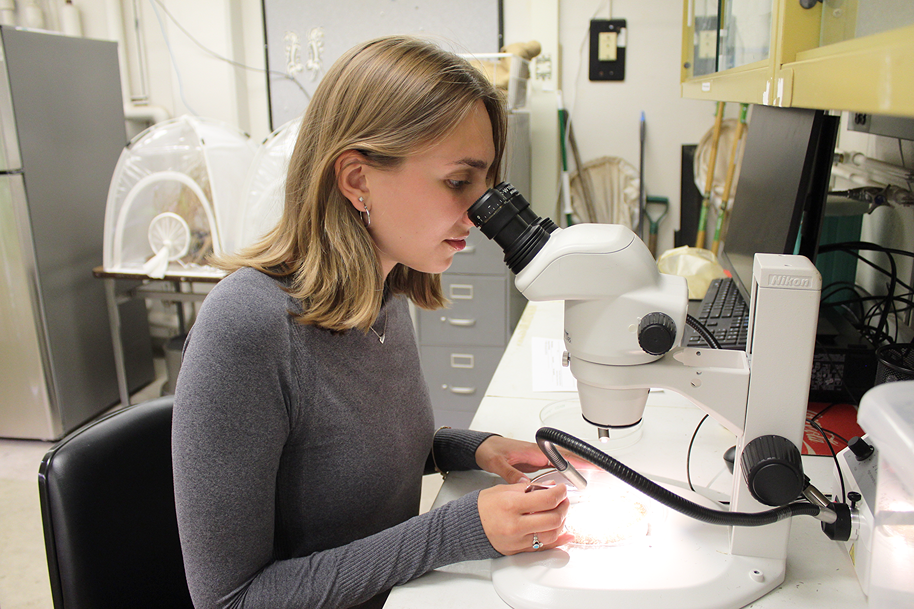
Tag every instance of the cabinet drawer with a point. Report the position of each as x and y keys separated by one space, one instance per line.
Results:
x=456 y=419
x=457 y=377
x=476 y=315
x=481 y=256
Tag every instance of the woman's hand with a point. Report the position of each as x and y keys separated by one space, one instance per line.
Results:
x=513 y=459
x=510 y=517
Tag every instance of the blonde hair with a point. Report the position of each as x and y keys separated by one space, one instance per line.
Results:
x=387 y=98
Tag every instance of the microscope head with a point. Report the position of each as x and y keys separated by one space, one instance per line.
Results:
x=619 y=309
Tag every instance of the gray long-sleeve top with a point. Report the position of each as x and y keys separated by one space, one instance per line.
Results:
x=298 y=456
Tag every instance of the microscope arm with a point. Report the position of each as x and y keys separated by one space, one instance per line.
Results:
x=716 y=380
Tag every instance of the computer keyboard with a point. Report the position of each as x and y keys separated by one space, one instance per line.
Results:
x=726 y=315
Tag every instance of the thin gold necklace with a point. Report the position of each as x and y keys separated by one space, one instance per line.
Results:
x=383 y=334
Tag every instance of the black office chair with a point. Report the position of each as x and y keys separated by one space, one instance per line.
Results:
x=107 y=504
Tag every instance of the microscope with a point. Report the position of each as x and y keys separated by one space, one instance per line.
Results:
x=623 y=323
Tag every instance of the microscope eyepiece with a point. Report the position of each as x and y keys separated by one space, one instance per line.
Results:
x=516 y=199
x=502 y=214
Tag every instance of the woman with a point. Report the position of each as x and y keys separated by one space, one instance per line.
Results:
x=302 y=423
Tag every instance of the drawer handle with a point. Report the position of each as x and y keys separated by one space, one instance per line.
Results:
x=463 y=390
x=461 y=291
x=463 y=360
x=462 y=323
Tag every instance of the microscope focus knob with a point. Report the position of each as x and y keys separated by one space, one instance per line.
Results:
x=657 y=333
x=861 y=448
x=773 y=470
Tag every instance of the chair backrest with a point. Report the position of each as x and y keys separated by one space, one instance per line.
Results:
x=107 y=505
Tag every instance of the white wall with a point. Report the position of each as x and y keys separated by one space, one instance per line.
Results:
x=186 y=79
x=605 y=115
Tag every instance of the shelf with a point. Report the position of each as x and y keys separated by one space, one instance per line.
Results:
x=871 y=74
x=747 y=84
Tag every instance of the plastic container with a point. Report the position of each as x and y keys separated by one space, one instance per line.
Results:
x=174 y=197
x=263 y=194
x=887 y=414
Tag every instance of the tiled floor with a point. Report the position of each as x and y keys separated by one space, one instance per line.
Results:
x=23 y=571
x=23 y=567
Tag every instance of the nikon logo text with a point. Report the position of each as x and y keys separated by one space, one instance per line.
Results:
x=788 y=281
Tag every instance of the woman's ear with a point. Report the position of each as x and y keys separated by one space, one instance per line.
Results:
x=350 y=177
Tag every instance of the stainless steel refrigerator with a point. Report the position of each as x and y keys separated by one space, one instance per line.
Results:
x=62 y=130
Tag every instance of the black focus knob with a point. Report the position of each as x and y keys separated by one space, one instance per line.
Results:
x=657 y=333
x=861 y=448
x=773 y=470
x=854 y=497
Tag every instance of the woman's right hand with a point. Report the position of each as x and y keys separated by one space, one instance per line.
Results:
x=510 y=517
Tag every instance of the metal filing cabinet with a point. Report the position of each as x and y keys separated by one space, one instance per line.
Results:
x=461 y=346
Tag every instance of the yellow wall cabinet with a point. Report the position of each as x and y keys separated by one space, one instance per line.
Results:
x=855 y=55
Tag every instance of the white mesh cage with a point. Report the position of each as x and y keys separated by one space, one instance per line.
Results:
x=174 y=197
x=263 y=195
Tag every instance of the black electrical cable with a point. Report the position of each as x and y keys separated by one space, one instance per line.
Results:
x=833 y=289
x=689 y=452
x=864 y=245
x=834 y=434
x=834 y=456
x=824 y=410
x=860 y=301
x=824 y=431
x=880 y=309
x=892 y=304
x=851 y=247
x=852 y=305
x=848 y=247
x=703 y=331
x=862 y=318
x=546 y=437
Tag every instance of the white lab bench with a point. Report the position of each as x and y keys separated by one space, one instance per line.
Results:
x=819 y=572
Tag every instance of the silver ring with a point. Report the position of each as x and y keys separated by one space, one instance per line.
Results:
x=536 y=542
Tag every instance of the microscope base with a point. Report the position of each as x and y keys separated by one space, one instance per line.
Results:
x=681 y=564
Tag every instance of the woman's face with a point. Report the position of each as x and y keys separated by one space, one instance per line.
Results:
x=419 y=210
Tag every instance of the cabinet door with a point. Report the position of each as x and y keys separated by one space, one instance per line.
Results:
x=745 y=33
x=458 y=419
x=837 y=55
x=868 y=72
x=728 y=49
x=476 y=316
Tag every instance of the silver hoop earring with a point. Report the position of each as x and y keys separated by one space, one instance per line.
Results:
x=367 y=217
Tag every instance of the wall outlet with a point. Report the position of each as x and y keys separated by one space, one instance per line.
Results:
x=607 y=49
x=606 y=46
